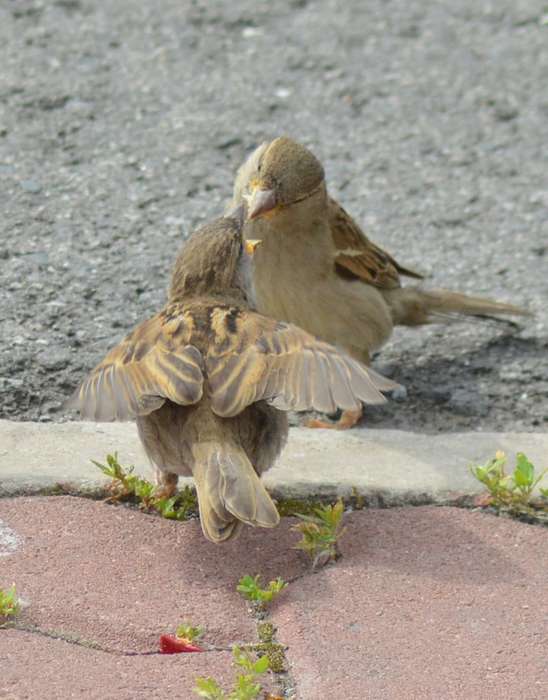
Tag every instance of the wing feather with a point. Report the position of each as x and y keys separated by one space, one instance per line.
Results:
x=282 y=364
x=153 y=363
x=359 y=257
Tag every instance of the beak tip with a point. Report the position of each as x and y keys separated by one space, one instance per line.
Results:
x=260 y=202
x=251 y=245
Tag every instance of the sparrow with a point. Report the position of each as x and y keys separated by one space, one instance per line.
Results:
x=316 y=267
x=208 y=381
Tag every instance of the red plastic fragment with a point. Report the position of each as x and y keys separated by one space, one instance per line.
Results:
x=176 y=645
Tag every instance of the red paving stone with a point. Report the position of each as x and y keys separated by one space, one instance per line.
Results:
x=427 y=602
x=121 y=578
x=36 y=668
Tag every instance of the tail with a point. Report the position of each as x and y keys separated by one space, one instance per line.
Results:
x=229 y=491
x=412 y=306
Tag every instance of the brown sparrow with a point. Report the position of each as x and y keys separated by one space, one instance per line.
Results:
x=316 y=268
x=208 y=380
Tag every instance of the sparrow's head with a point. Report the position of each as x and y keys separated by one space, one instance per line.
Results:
x=209 y=259
x=277 y=175
x=214 y=261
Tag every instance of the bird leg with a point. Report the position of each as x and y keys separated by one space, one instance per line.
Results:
x=166 y=484
x=347 y=420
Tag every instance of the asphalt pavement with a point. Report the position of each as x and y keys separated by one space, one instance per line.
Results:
x=122 y=125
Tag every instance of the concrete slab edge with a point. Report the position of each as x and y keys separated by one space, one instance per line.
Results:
x=385 y=467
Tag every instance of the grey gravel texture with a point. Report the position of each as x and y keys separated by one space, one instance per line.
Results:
x=122 y=124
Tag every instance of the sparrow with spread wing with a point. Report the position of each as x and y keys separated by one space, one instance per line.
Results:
x=316 y=267
x=208 y=379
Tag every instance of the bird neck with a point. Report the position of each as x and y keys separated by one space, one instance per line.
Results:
x=187 y=287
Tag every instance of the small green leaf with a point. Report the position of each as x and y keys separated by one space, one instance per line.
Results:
x=209 y=689
x=9 y=602
x=246 y=689
x=242 y=658
x=524 y=472
x=520 y=479
x=261 y=666
x=337 y=512
x=250 y=588
x=278 y=585
x=479 y=472
x=143 y=489
x=188 y=632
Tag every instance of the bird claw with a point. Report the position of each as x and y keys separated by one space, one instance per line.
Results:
x=347 y=420
x=166 y=484
x=165 y=491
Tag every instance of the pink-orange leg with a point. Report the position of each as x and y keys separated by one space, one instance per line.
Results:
x=347 y=420
x=166 y=484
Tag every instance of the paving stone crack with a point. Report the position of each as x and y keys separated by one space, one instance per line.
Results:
x=76 y=640
x=274 y=650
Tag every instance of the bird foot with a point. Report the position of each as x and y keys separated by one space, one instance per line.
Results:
x=166 y=484
x=164 y=491
x=347 y=420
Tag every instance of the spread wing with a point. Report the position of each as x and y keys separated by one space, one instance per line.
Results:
x=255 y=358
x=359 y=257
x=153 y=363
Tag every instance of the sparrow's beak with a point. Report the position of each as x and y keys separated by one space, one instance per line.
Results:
x=260 y=202
x=250 y=245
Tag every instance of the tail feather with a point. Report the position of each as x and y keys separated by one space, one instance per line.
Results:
x=230 y=492
x=412 y=306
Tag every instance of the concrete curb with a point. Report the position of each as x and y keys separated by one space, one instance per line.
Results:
x=388 y=467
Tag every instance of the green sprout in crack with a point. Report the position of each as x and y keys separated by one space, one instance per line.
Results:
x=189 y=633
x=515 y=491
x=9 y=602
x=250 y=588
x=321 y=532
x=246 y=684
x=178 y=507
x=127 y=486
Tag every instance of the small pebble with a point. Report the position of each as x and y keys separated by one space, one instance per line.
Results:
x=31 y=186
x=282 y=93
x=250 y=32
x=399 y=393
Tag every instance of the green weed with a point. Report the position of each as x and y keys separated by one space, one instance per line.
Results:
x=250 y=588
x=321 y=532
x=126 y=486
x=9 y=602
x=189 y=633
x=246 y=684
x=515 y=491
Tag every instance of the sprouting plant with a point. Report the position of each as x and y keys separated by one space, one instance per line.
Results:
x=177 y=507
x=126 y=485
x=9 y=602
x=321 y=532
x=188 y=633
x=250 y=588
x=513 y=491
x=246 y=684
x=123 y=482
x=184 y=640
